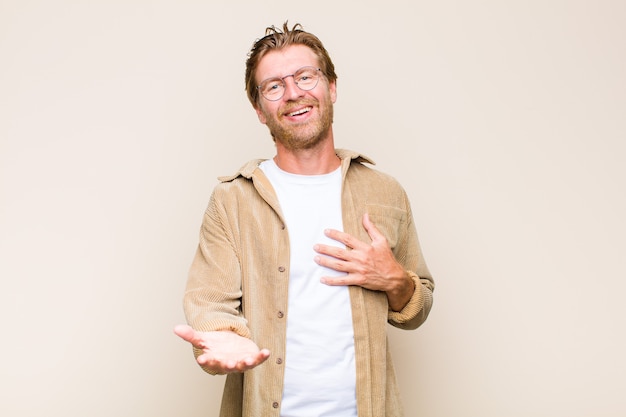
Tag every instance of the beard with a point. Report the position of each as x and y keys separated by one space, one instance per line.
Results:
x=305 y=135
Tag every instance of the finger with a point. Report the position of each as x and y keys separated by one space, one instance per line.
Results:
x=190 y=335
x=216 y=364
x=343 y=280
x=254 y=360
x=332 y=281
x=371 y=228
x=336 y=235
x=251 y=362
x=332 y=251
x=186 y=332
x=333 y=263
x=262 y=356
x=226 y=366
x=209 y=360
x=347 y=239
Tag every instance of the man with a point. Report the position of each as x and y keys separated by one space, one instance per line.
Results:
x=303 y=258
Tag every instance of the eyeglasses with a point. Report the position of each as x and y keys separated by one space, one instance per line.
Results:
x=306 y=78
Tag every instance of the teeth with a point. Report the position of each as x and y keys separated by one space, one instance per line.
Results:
x=301 y=111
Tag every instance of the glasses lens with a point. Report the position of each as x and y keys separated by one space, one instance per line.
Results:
x=272 y=89
x=306 y=78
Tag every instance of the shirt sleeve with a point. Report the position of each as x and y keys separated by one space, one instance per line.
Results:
x=409 y=253
x=212 y=299
x=416 y=310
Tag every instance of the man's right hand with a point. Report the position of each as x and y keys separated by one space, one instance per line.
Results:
x=223 y=351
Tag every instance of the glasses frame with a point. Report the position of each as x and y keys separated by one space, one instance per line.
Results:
x=282 y=80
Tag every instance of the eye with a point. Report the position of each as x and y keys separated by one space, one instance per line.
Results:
x=306 y=76
x=272 y=85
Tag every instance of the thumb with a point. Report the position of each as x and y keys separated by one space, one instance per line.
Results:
x=185 y=332
x=371 y=228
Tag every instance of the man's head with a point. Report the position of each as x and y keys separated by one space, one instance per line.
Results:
x=297 y=97
x=275 y=39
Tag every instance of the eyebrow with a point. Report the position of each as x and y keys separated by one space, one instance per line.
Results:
x=296 y=70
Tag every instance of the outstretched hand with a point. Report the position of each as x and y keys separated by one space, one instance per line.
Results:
x=369 y=265
x=223 y=351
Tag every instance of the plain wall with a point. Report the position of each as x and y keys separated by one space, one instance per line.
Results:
x=504 y=120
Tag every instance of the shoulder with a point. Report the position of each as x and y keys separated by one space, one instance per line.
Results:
x=245 y=171
x=368 y=186
x=248 y=187
x=367 y=176
x=359 y=165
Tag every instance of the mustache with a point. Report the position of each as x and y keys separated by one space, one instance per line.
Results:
x=298 y=104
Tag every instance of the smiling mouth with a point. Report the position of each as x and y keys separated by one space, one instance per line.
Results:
x=299 y=112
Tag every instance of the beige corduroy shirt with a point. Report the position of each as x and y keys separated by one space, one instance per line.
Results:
x=239 y=281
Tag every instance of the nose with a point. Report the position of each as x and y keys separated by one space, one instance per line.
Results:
x=292 y=91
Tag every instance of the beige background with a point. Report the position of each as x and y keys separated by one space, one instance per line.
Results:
x=505 y=121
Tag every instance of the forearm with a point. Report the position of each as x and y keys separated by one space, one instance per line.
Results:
x=211 y=301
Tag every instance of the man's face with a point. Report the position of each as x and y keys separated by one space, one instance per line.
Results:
x=300 y=119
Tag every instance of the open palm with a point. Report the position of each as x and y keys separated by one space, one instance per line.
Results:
x=223 y=351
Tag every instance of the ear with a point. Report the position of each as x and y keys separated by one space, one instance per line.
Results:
x=260 y=114
x=332 y=87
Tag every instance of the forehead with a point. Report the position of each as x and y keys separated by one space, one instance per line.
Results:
x=279 y=63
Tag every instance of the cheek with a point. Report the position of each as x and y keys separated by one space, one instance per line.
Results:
x=261 y=115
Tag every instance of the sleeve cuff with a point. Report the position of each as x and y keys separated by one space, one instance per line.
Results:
x=413 y=307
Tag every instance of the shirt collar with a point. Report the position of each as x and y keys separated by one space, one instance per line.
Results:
x=247 y=170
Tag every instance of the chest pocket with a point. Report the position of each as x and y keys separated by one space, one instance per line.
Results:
x=391 y=221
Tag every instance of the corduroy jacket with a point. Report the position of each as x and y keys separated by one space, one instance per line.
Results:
x=239 y=281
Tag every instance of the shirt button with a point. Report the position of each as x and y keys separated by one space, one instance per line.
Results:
x=280 y=314
x=279 y=361
x=281 y=269
x=275 y=404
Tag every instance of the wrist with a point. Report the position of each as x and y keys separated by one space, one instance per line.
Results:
x=399 y=296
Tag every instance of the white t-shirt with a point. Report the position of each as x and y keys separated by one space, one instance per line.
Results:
x=320 y=373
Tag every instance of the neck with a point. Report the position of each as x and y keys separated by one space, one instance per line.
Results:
x=318 y=160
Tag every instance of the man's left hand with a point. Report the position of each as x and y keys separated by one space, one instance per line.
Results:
x=369 y=265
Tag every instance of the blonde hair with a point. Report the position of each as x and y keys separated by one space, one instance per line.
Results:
x=275 y=39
